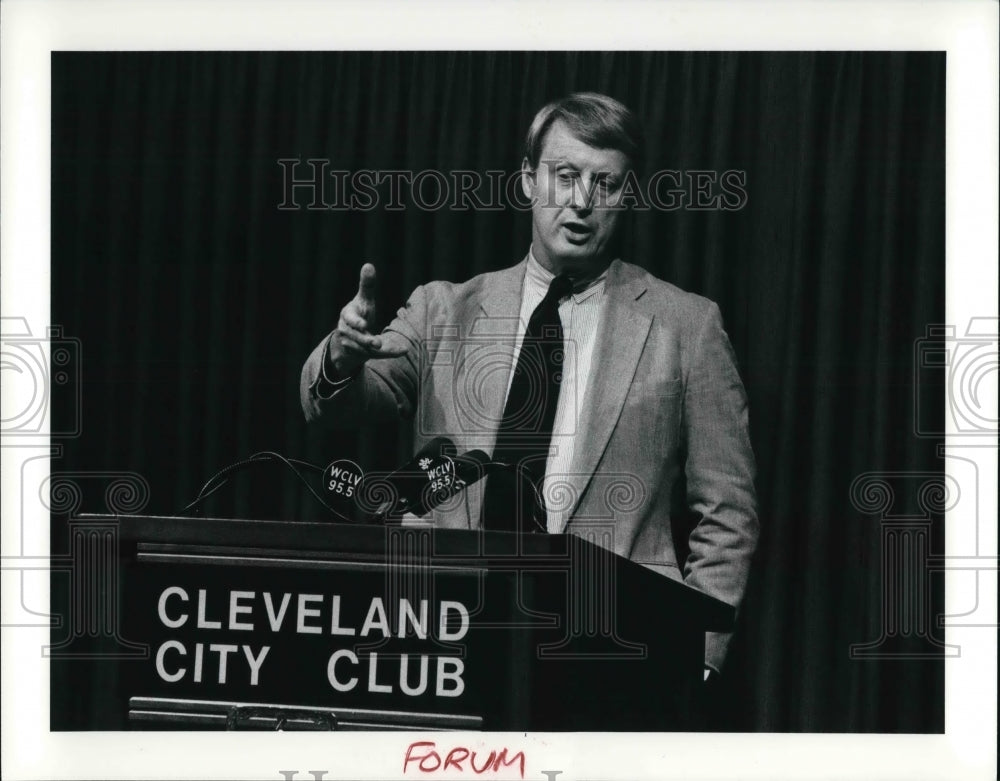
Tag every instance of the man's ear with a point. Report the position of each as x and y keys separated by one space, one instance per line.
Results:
x=527 y=179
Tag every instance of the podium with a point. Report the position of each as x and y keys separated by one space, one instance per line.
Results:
x=281 y=625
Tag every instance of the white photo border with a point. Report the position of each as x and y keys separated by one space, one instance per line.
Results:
x=968 y=31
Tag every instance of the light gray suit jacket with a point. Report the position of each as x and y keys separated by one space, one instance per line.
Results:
x=664 y=399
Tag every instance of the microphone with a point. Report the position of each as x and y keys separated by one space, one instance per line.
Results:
x=431 y=477
x=403 y=490
x=470 y=467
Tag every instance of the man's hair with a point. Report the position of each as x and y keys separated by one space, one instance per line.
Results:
x=595 y=119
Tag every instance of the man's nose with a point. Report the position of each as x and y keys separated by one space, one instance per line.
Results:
x=582 y=196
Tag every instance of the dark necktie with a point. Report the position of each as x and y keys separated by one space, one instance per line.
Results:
x=525 y=433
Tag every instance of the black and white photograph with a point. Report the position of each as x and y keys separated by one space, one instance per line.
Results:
x=479 y=403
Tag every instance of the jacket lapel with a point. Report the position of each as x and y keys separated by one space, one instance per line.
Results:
x=620 y=341
x=495 y=327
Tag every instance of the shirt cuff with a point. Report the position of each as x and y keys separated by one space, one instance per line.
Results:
x=327 y=388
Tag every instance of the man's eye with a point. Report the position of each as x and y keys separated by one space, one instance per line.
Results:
x=566 y=176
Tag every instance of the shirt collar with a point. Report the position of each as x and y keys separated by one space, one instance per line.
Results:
x=539 y=277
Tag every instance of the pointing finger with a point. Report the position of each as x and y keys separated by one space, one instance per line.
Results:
x=366 y=285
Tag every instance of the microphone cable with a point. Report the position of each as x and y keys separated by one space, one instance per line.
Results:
x=222 y=477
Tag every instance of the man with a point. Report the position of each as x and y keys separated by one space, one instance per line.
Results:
x=639 y=398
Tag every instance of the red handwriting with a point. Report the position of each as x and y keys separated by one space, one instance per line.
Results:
x=423 y=754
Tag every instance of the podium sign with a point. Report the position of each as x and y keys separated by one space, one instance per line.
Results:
x=266 y=625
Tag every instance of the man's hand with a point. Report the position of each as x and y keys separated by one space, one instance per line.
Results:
x=353 y=342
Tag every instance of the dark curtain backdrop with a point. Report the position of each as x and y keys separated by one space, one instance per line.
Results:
x=196 y=299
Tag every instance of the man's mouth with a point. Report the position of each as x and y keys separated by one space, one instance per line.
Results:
x=577 y=231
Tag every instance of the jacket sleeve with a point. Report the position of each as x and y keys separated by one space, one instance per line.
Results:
x=384 y=388
x=720 y=472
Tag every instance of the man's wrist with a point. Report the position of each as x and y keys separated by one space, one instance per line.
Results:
x=330 y=378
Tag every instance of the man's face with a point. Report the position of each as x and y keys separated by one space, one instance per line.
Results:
x=573 y=194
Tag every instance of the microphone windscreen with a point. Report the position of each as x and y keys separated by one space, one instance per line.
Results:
x=415 y=486
x=472 y=466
